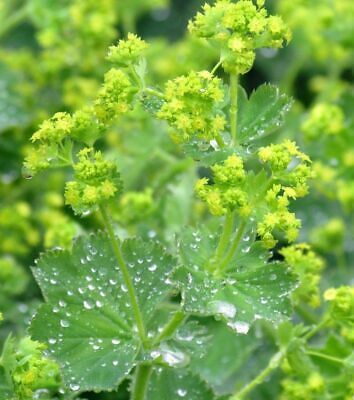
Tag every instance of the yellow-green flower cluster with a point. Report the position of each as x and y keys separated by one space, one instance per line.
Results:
x=31 y=371
x=308 y=266
x=341 y=305
x=135 y=206
x=13 y=278
x=96 y=181
x=278 y=217
x=17 y=231
x=55 y=129
x=330 y=236
x=310 y=387
x=127 y=52
x=192 y=106
x=237 y=29
x=53 y=138
x=115 y=96
x=280 y=157
x=324 y=119
x=226 y=193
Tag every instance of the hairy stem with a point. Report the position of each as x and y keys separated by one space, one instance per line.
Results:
x=233 y=246
x=324 y=356
x=273 y=364
x=126 y=277
x=170 y=327
x=141 y=380
x=225 y=236
x=316 y=328
x=233 y=107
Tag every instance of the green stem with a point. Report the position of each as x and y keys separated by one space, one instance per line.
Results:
x=170 y=327
x=142 y=375
x=273 y=364
x=324 y=356
x=216 y=66
x=234 y=246
x=315 y=329
x=225 y=236
x=13 y=20
x=126 y=277
x=233 y=106
x=154 y=92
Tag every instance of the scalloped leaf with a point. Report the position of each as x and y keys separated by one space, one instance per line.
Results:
x=174 y=383
x=250 y=289
x=263 y=113
x=87 y=320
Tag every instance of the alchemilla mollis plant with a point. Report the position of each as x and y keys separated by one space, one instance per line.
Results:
x=154 y=312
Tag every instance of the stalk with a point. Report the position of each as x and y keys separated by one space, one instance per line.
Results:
x=126 y=277
x=233 y=107
x=170 y=327
x=225 y=236
x=234 y=246
x=273 y=364
x=141 y=380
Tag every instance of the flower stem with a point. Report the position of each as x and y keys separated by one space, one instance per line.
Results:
x=141 y=380
x=234 y=246
x=233 y=107
x=324 y=356
x=225 y=236
x=126 y=277
x=170 y=327
x=273 y=364
x=315 y=329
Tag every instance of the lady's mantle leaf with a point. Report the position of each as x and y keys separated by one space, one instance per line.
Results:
x=87 y=320
x=175 y=383
x=250 y=289
x=263 y=113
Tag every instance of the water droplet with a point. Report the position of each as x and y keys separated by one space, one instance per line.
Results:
x=64 y=323
x=224 y=308
x=239 y=327
x=52 y=341
x=88 y=305
x=74 y=387
x=181 y=392
x=152 y=267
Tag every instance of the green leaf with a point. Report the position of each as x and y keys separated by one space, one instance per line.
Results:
x=250 y=288
x=223 y=348
x=87 y=319
x=176 y=383
x=263 y=113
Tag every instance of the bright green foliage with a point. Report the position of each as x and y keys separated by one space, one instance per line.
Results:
x=166 y=383
x=192 y=106
x=262 y=113
x=234 y=312
x=240 y=292
x=89 y=327
x=96 y=181
x=237 y=29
